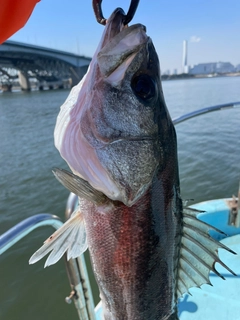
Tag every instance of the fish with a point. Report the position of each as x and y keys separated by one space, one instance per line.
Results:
x=117 y=136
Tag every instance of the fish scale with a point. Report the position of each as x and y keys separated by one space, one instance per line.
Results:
x=132 y=251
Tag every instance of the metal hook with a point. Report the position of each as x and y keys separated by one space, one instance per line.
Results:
x=131 y=11
x=97 y=8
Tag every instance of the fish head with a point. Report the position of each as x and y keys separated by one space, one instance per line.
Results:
x=114 y=130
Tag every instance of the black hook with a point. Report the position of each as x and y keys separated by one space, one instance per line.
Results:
x=97 y=8
x=131 y=11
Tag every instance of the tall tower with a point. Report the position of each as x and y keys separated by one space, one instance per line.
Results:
x=184 y=60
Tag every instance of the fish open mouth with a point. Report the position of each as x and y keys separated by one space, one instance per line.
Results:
x=118 y=52
x=121 y=48
x=118 y=46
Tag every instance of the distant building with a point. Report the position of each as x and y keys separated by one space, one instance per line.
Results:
x=224 y=67
x=186 y=69
x=167 y=72
x=174 y=71
x=212 y=67
x=237 y=69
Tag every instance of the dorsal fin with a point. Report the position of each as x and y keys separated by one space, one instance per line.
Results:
x=198 y=253
x=70 y=238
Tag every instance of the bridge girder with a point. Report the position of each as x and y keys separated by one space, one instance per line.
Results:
x=43 y=63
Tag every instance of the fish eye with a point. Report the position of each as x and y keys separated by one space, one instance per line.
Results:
x=143 y=86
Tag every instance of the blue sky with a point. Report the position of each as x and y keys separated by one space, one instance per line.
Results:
x=212 y=28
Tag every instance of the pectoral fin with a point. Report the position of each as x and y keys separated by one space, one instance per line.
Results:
x=70 y=238
x=79 y=186
x=198 y=253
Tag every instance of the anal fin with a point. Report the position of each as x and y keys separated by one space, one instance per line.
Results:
x=198 y=253
x=70 y=238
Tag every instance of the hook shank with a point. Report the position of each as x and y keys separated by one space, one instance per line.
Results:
x=97 y=8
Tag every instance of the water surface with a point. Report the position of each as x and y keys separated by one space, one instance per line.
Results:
x=209 y=161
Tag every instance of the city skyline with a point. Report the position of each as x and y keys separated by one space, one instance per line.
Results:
x=211 y=28
x=201 y=68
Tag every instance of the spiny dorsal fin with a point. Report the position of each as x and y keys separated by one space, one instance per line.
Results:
x=79 y=186
x=198 y=253
x=70 y=238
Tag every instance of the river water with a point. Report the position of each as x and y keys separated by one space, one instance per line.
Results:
x=209 y=161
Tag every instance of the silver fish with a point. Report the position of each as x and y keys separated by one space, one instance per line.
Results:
x=115 y=132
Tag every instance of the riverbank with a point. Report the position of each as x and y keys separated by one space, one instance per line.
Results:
x=183 y=76
x=198 y=76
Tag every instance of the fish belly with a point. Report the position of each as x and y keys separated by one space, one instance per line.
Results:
x=132 y=251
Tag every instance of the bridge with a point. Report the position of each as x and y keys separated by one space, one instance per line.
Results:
x=47 y=66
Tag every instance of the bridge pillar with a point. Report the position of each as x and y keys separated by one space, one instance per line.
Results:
x=6 y=87
x=77 y=73
x=24 y=81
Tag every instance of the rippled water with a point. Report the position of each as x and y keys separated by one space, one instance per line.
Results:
x=209 y=161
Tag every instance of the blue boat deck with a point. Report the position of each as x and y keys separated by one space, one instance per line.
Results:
x=220 y=301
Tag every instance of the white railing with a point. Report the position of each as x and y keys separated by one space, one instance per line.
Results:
x=81 y=292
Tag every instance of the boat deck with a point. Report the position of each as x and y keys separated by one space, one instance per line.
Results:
x=221 y=301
